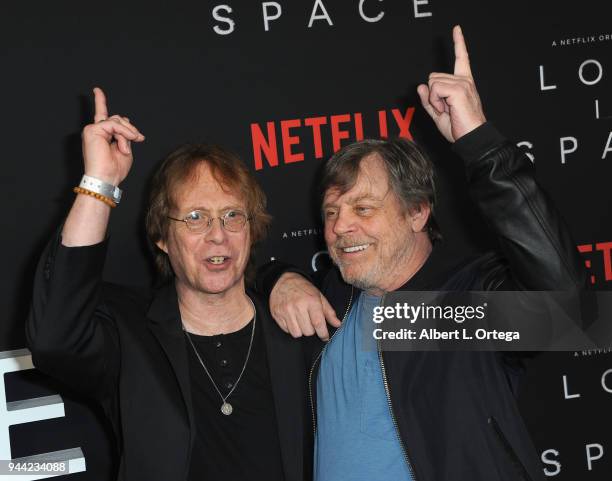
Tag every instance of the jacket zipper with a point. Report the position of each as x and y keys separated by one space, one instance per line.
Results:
x=390 y=404
x=312 y=409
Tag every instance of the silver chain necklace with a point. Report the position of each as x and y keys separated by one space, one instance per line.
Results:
x=226 y=408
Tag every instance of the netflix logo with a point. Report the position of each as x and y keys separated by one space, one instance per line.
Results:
x=289 y=141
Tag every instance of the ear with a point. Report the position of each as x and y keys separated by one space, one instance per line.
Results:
x=418 y=217
x=161 y=244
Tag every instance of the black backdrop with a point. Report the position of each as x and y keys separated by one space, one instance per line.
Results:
x=543 y=70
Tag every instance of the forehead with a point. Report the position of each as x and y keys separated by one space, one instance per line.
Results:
x=372 y=182
x=202 y=190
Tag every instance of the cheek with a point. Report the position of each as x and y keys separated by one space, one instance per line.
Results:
x=242 y=247
x=399 y=240
x=328 y=232
x=182 y=247
x=372 y=231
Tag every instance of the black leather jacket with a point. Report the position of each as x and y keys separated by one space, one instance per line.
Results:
x=455 y=412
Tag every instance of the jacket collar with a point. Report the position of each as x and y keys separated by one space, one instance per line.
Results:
x=164 y=311
x=285 y=364
x=287 y=376
x=436 y=270
x=165 y=324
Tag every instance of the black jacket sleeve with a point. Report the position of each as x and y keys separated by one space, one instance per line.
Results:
x=533 y=237
x=70 y=332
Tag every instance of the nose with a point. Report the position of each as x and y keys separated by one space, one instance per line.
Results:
x=216 y=234
x=344 y=222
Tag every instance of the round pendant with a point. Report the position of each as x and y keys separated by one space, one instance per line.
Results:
x=226 y=408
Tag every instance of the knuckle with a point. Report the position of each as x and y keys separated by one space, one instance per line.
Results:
x=318 y=322
x=305 y=323
x=88 y=130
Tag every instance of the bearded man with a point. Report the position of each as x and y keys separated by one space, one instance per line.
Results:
x=426 y=416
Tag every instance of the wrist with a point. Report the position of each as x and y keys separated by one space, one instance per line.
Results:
x=478 y=142
x=288 y=276
x=467 y=126
x=103 y=176
x=96 y=185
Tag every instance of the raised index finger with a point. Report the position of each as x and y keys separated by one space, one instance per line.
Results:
x=462 y=60
x=101 y=112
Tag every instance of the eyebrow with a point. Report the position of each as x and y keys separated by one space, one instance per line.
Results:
x=222 y=209
x=357 y=199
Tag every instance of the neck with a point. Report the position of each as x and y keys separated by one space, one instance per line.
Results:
x=407 y=267
x=211 y=314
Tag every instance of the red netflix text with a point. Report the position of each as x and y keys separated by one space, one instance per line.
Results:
x=289 y=141
x=600 y=252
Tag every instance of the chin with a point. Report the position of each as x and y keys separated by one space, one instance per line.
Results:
x=214 y=289
x=357 y=277
x=351 y=275
x=217 y=286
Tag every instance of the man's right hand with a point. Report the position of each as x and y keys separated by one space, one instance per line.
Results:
x=106 y=143
x=108 y=157
x=452 y=100
x=300 y=309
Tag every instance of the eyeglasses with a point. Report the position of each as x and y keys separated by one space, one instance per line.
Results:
x=200 y=222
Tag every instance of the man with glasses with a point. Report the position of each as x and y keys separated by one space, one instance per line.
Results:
x=197 y=381
x=425 y=416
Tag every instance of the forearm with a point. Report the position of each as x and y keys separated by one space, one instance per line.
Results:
x=86 y=223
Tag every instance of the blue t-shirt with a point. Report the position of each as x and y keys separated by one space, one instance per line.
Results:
x=356 y=439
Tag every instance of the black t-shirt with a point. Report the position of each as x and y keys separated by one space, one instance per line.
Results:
x=243 y=445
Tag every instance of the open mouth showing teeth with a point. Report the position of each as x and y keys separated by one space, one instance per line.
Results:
x=355 y=248
x=217 y=259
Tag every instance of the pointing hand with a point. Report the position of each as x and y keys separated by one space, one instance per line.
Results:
x=452 y=100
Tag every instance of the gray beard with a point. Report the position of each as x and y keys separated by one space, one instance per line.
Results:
x=360 y=283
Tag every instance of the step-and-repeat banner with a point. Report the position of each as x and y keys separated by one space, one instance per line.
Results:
x=285 y=84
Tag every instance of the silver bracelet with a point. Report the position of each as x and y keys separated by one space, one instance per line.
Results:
x=100 y=187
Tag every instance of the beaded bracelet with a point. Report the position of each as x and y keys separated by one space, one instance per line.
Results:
x=103 y=198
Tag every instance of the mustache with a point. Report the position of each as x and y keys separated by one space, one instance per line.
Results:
x=351 y=241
